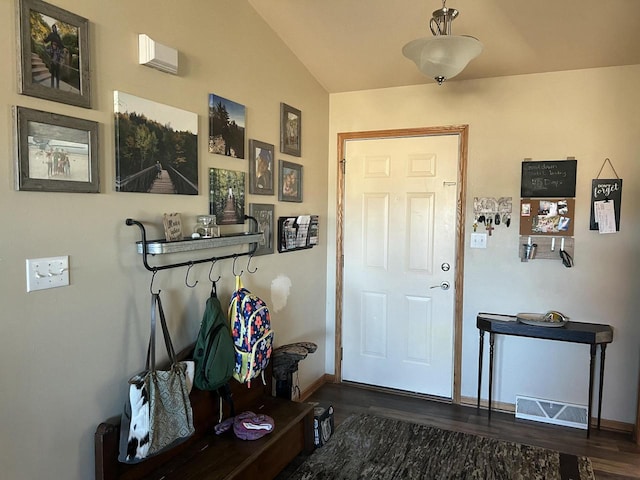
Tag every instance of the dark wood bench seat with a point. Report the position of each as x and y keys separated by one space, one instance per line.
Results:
x=207 y=456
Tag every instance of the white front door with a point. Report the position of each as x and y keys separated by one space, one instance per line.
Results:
x=399 y=262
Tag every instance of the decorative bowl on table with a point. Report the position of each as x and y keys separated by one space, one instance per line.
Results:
x=551 y=318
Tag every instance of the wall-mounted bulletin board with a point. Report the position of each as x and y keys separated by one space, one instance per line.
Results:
x=548 y=178
x=552 y=217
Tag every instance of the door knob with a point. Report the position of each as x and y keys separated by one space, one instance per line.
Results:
x=443 y=286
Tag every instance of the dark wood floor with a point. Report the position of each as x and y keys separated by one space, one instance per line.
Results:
x=613 y=455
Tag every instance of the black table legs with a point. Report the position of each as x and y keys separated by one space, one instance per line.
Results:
x=480 y=355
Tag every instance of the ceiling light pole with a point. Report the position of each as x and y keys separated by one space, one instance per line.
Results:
x=443 y=55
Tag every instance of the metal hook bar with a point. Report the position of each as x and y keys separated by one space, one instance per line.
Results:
x=235 y=257
x=186 y=278
x=249 y=263
x=151 y=284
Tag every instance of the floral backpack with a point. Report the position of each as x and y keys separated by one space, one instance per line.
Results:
x=251 y=332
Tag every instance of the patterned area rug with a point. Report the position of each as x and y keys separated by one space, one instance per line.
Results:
x=371 y=447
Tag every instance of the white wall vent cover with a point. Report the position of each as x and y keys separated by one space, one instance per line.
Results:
x=548 y=411
x=156 y=55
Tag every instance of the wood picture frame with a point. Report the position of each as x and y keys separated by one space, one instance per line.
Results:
x=264 y=215
x=55 y=153
x=53 y=54
x=290 y=130
x=290 y=182
x=261 y=167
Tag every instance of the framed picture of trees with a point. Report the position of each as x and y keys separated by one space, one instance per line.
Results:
x=226 y=127
x=156 y=147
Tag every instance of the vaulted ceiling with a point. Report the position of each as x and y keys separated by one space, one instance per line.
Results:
x=357 y=44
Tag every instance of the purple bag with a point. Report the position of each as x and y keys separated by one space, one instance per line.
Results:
x=249 y=426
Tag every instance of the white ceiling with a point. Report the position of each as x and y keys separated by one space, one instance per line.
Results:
x=357 y=44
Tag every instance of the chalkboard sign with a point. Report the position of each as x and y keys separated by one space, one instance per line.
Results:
x=549 y=178
x=602 y=189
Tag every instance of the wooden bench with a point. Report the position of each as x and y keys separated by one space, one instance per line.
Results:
x=209 y=456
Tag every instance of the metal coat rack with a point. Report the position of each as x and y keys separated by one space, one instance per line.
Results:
x=154 y=247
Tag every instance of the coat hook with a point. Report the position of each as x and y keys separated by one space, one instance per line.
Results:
x=151 y=284
x=249 y=263
x=211 y=271
x=186 y=278
x=235 y=257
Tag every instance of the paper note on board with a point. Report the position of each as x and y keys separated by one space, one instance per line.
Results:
x=605 y=216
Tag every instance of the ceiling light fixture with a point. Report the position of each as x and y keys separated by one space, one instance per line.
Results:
x=444 y=55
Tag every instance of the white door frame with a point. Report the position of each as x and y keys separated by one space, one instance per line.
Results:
x=463 y=133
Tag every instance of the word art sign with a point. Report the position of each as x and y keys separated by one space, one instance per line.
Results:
x=605 y=190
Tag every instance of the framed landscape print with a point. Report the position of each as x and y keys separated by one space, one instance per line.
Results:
x=226 y=196
x=290 y=189
x=290 y=130
x=226 y=127
x=263 y=213
x=260 y=168
x=54 y=54
x=55 y=153
x=156 y=147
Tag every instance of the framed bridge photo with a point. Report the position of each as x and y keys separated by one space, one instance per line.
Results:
x=54 y=54
x=156 y=147
x=55 y=153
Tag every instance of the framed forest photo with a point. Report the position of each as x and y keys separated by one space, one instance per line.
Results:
x=260 y=168
x=55 y=153
x=226 y=127
x=227 y=196
x=156 y=147
x=290 y=130
x=54 y=54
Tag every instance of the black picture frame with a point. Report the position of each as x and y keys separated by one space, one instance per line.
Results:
x=261 y=167
x=264 y=215
x=51 y=69
x=290 y=182
x=55 y=153
x=290 y=130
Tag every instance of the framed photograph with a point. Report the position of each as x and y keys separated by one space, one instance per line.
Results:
x=226 y=127
x=290 y=182
x=54 y=54
x=290 y=130
x=55 y=153
x=263 y=213
x=156 y=147
x=260 y=168
x=226 y=196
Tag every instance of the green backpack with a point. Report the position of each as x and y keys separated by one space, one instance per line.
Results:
x=214 y=354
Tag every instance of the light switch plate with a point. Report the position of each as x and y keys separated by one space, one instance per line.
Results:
x=478 y=240
x=50 y=272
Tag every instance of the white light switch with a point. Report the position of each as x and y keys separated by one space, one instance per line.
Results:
x=478 y=240
x=48 y=272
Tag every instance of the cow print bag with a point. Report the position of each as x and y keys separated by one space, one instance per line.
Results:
x=157 y=415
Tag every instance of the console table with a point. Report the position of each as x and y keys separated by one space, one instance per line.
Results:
x=576 y=332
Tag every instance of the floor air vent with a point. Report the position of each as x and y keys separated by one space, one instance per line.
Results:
x=548 y=411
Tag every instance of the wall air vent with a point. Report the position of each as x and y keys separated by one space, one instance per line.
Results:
x=156 y=55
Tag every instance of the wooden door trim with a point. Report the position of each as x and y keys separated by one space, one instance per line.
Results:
x=463 y=132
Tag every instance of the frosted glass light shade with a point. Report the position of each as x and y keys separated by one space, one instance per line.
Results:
x=443 y=56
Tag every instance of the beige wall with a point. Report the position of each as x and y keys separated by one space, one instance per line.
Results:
x=590 y=115
x=67 y=353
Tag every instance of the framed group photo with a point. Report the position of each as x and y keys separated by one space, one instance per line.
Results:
x=290 y=130
x=55 y=153
x=290 y=182
x=54 y=54
x=263 y=213
x=260 y=168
